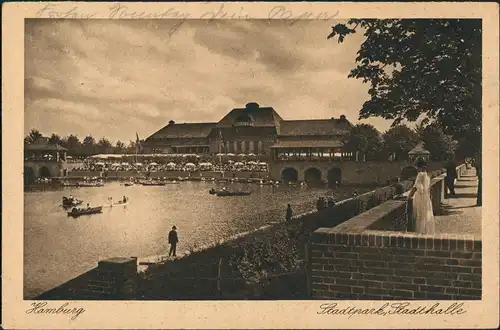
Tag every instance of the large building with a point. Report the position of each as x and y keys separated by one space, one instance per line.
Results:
x=252 y=129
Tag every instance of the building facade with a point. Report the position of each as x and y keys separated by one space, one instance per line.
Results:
x=252 y=130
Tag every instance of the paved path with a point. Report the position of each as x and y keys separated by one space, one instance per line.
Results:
x=460 y=215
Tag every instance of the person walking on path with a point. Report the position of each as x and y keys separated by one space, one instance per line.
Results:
x=289 y=212
x=422 y=205
x=451 y=176
x=173 y=239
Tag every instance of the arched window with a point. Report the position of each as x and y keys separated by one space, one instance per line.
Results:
x=251 y=147
x=235 y=145
x=243 y=146
x=227 y=147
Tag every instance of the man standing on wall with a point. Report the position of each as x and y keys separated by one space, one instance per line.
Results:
x=173 y=239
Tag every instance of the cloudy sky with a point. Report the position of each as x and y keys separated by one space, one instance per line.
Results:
x=114 y=78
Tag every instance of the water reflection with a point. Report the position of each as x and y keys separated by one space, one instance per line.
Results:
x=58 y=248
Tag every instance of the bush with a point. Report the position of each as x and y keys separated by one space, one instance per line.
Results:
x=262 y=258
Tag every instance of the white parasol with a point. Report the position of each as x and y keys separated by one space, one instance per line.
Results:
x=190 y=165
x=238 y=164
x=152 y=164
x=171 y=164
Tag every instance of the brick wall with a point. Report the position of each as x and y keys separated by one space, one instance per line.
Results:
x=389 y=265
x=373 y=256
x=114 y=278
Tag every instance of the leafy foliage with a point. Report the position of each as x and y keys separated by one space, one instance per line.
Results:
x=33 y=136
x=440 y=145
x=55 y=139
x=428 y=67
x=399 y=140
x=263 y=257
x=83 y=148
x=364 y=138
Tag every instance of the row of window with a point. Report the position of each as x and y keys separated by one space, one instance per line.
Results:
x=242 y=147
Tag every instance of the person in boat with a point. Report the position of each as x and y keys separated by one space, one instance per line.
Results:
x=74 y=210
x=224 y=189
x=88 y=205
x=289 y=212
x=173 y=239
x=124 y=199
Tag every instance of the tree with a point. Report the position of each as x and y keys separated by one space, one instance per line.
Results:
x=440 y=145
x=73 y=145
x=33 y=136
x=131 y=148
x=420 y=67
x=119 y=147
x=366 y=139
x=88 y=145
x=399 y=140
x=55 y=139
x=104 y=145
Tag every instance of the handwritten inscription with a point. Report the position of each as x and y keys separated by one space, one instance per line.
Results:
x=281 y=12
x=51 y=11
x=121 y=11
x=405 y=308
x=41 y=308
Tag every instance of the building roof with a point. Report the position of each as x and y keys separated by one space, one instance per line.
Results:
x=44 y=147
x=308 y=144
x=185 y=130
x=314 y=127
x=419 y=150
x=259 y=116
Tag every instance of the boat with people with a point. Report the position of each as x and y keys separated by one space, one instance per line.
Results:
x=224 y=193
x=121 y=202
x=129 y=184
x=152 y=183
x=172 y=182
x=70 y=201
x=76 y=212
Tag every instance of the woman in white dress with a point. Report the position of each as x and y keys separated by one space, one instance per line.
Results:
x=422 y=205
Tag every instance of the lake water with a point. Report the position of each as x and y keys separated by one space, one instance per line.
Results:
x=58 y=248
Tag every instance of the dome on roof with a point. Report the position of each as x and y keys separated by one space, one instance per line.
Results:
x=252 y=105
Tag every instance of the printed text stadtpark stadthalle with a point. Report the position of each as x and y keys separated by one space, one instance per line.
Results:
x=397 y=308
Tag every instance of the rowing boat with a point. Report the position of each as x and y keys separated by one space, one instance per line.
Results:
x=78 y=212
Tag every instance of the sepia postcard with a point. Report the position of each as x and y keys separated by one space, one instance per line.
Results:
x=250 y=165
